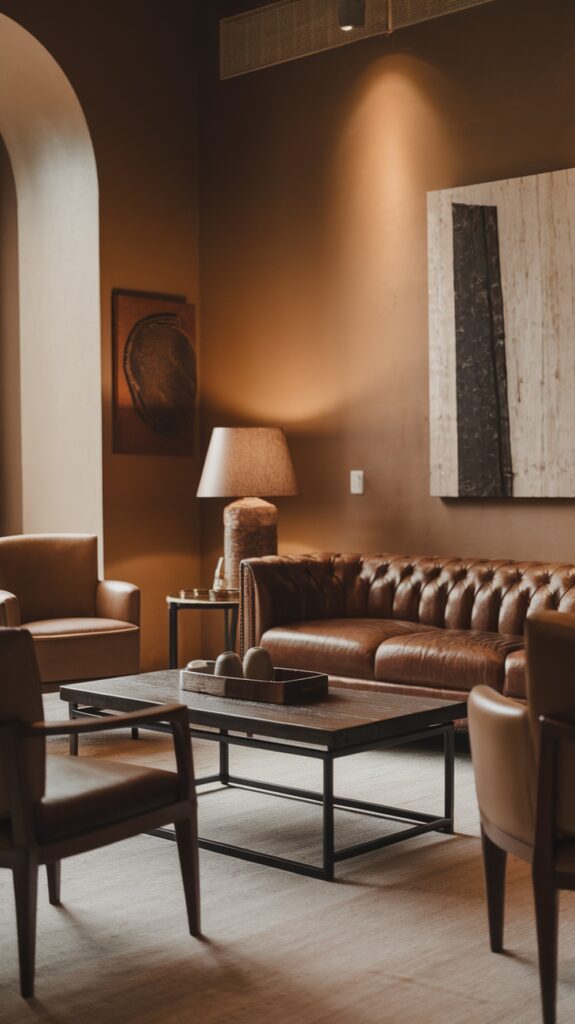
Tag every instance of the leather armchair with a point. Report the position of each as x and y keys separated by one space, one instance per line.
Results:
x=52 y=807
x=83 y=627
x=524 y=763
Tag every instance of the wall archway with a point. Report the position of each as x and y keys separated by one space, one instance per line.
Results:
x=54 y=168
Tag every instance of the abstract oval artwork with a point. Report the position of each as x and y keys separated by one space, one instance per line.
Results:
x=154 y=374
x=160 y=368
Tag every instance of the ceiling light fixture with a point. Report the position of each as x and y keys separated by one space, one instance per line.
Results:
x=350 y=14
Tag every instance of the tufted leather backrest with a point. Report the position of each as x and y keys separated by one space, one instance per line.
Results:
x=53 y=575
x=494 y=595
x=21 y=701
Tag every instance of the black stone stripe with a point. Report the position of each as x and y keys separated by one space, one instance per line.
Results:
x=483 y=438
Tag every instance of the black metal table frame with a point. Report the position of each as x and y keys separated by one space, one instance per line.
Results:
x=417 y=821
x=229 y=608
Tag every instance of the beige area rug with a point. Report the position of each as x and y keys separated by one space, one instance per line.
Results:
x=399 y=938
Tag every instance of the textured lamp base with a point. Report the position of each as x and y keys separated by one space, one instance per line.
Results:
x=250 y=531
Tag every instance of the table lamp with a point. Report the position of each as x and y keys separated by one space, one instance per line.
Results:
x=246 y=462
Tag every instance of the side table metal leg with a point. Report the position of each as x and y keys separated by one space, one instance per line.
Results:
x=73 y=741
x=173 y=646
x=328 y=824
x=224 y=760
x=449 y=753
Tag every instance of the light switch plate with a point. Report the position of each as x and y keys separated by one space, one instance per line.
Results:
x=356 y=481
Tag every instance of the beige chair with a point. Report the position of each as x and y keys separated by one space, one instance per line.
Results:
x=83 y=627
x=524 y=762
x=53 y=807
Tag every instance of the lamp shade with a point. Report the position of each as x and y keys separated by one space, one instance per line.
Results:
x=247 y=462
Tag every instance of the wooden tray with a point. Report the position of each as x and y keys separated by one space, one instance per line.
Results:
x=290 y=686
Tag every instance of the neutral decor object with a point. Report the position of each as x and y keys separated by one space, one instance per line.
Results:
x=52 y=807
x=502 y=322
x=418 y=624
x=82 y=627
x=154 y=380
x=286 y=686
x=247 y=462
x=325 y=731
x=524 y=760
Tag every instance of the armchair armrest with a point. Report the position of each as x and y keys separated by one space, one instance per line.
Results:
x=157 y=713
x=117 y=600
x=9 y=609
x=279 y=589
x=503 y=762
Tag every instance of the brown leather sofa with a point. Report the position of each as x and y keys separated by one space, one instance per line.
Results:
x=398 y=623
x=83 y=627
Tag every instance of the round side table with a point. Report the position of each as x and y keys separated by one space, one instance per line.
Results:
x=230 y=607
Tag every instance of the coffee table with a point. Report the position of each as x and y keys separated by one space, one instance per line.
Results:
x=348 y=722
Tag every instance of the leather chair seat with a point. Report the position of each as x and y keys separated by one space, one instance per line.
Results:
x=71 y=627
x=447 y=659
x=339 y=647
x=84 y=647
x=83 y=794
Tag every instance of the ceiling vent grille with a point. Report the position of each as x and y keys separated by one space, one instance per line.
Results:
x=290 y=29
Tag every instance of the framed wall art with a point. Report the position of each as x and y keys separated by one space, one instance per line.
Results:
x=154 y=374
x=502 y=338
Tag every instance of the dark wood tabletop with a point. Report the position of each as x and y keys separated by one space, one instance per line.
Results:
x=346 y=718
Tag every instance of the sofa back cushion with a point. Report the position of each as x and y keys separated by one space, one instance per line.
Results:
x=53 y=576
x=482 y=594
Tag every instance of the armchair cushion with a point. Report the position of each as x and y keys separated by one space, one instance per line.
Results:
x=83 y=794
x=85 y=648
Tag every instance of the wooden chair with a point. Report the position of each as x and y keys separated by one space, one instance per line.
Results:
x=524 y=762
x=54 y=806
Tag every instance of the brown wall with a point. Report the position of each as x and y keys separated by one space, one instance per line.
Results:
x=314 y=264
x=133 y=66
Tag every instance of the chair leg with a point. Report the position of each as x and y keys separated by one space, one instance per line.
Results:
x=547 y=916
x=494 y=864
x=135 y=734
x=25 y=876
x=53 y=872
x=187 y=837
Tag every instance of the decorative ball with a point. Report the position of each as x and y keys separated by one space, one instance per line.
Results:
x=228 y=664
x=258 y=664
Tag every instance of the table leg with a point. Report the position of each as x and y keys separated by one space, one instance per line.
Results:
x=328 y=825
x=449 y=754
x=73 y=741
x=224 y=760
x=173 y=649
x=230 y=628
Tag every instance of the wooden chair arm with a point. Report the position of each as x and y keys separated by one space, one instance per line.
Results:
x=158 y=713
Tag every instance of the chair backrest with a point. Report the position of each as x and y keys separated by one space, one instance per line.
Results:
x=550 y=646
x=21 y=701
x=53 y=575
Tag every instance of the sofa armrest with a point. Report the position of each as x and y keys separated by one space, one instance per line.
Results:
x=117 y=600
x=279 y=589
x=9 y=609
x=504 y=763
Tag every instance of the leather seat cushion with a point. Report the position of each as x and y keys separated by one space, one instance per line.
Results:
x=342 y=647
x=85 y=648
x=74 y=627
x=84 y=793
x=450 y=659
x=515 y=676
